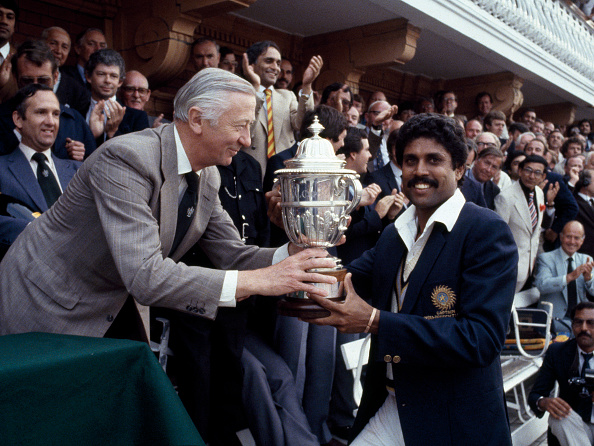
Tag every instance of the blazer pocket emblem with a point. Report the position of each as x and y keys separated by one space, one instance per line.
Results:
x=444 y=299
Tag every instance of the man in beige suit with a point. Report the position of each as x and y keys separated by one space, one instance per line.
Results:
x=522 y=206
x=110 y=235
x=261 y=66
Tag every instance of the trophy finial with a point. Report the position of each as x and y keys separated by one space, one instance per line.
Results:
x=315 y=128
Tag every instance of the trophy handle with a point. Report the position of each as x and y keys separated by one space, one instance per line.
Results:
x=357 y=190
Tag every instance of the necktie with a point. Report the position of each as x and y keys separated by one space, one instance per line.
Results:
x=592 y=202
x=270 y=147
x=587 y=357
x=47 y=181
x=187 y=207
x=571 y=288
x=533 y=214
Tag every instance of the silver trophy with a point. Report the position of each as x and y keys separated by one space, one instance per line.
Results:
x=317 y=196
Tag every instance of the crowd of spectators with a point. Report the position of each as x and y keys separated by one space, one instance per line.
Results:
x=281 y=378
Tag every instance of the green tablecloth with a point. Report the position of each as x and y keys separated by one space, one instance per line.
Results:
x=73 y=390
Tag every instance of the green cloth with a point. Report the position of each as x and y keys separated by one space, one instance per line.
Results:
x=73 y=390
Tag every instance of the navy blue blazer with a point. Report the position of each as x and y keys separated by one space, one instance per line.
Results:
x=561 y=363
x=490 y=191
x=444 y=344
x=73 y=94
x=72 y=125
x=473 y=192
x=275 y=163
x=384 y=178
x=17 y=180
x=566 y=207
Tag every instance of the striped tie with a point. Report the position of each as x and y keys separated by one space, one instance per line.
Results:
x=270 y=147
x=533 y=214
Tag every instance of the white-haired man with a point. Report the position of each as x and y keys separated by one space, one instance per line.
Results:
x=118 y=231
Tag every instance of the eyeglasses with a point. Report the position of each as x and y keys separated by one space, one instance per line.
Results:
x=579 y=322
x=486 y=144
x=529 y=171
x=28 y=80
x=228 y=63
x=131 y=90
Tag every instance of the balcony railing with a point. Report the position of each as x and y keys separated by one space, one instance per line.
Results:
x=553 y=25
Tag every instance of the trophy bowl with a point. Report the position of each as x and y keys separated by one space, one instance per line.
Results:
x=317 y=196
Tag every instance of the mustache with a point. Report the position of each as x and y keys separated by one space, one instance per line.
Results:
x=584 y=333
x=416 y=180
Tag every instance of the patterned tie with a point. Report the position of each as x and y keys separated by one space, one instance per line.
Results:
x=571 y=289
x=47 y=181
x=270 y=147
x=186 y=210
x=533 y=214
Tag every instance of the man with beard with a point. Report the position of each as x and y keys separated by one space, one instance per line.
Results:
x=436 y=293
x=286 y=75
x=570 y=414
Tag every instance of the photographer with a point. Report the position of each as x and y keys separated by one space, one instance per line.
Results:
x=570 y=413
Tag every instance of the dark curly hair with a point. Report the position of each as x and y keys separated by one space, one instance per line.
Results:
x=441 y=129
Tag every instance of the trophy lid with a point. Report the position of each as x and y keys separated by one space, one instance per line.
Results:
x=315 y=153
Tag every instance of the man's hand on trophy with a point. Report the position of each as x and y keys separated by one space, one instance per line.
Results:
x=274 y=212
x=287 y=276
x=354 y=315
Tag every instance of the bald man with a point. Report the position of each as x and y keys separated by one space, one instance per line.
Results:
x=135 y=93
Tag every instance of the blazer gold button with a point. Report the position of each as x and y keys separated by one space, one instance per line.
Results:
x=396 y=359
x=387 y=358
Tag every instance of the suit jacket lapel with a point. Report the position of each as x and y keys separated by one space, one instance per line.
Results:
x=65 y=171
x=522 y=206
x=425 y=264
x=169 y=193
x=23 y=174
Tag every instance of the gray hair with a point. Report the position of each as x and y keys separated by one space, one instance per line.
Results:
x=208 y=91
x=46 y=31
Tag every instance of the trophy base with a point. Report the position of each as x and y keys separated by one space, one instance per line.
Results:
x=298 y=305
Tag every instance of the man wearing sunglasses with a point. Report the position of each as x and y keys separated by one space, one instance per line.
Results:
x=570 y=414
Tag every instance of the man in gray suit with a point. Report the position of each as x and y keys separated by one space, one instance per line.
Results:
x=564 y=275
x=111 y=233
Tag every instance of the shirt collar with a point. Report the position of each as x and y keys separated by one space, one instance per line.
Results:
x=262 y=88
x=447 y=214
x=183 y=162
x=5 y=50
x=395 y=169
x=585 y=197
x=29 y=152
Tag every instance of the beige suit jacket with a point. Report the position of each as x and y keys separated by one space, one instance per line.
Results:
x=512 y=206
x=287 y=114
x=109 y=235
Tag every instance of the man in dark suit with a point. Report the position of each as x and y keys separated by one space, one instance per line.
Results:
x=34 y=63
x=87 y=42
x=488 y=163
x=570 y=414
x=107 y=118
x=37 y=121
x=438 y=289
x=70 y=92
x=584 y=195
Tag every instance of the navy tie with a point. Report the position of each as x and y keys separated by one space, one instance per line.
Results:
x=47 y=181
x=186 y=210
